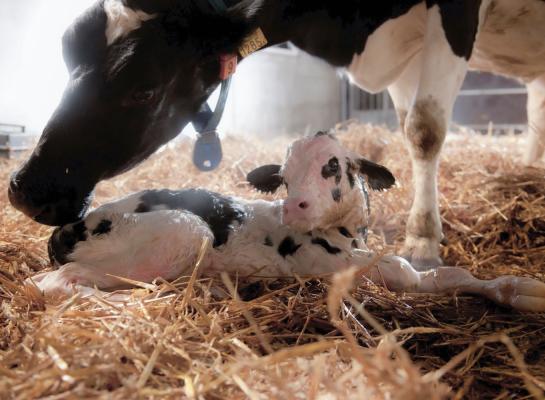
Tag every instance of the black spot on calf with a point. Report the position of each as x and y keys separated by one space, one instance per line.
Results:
x=288 y=247
x=345 y=232
x=325 y=244
x=142 y=208
x=349 y=175
x=219 y=212
x=80 y=231
x=336 y=194
x=63 y=240
x=332 y=168
x=323 y=133
x=104 y=227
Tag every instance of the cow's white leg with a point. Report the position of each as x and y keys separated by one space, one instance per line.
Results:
x=536 y=121
x=403 y=90
x=398 y=275
x=439 y=80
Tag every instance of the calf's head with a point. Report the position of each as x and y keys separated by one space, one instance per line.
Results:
x=325 y=183
x=139 y=70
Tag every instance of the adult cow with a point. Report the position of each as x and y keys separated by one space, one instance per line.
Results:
x=140 y=70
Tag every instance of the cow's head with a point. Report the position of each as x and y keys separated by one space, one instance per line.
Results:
x=325 y=183
x=139 y=71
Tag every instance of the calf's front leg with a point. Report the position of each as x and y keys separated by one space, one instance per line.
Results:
x=398 y=275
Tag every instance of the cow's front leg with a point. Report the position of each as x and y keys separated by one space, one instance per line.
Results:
x=442 y=68
x=536 y=121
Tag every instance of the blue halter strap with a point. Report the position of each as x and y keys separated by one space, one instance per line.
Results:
x=207 y=153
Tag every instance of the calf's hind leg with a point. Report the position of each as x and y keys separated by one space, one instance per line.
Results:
x=72 y=278
x=138 y=247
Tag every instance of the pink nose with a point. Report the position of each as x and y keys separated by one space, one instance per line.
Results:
x=294 y=209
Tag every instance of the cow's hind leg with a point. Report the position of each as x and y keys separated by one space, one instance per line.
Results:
x=440 y=70
x=536 y=121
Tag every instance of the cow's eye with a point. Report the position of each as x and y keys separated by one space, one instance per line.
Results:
x=142 y=96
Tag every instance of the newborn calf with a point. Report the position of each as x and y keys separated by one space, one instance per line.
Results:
x=319 y=228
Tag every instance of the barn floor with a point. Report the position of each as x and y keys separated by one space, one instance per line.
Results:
x=187 y=340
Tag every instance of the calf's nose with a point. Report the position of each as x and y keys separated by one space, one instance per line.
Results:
x=293 y=209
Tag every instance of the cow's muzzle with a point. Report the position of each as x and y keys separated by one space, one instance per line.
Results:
x=59 y=211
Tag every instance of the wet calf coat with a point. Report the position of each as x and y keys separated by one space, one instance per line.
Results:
x=319 y=228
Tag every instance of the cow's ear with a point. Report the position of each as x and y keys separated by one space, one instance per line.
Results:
x=378 y=176
x=266 y=178
x=212 y=33
x=233 y=27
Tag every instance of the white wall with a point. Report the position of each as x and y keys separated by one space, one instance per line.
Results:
x=32 y=72
x=279 y=91
x=273 y=92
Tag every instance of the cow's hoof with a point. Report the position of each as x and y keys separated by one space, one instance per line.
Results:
x=422 y=253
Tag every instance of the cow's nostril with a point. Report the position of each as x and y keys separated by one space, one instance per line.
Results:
x=303 y=205
x=13 y=186
x=21 y=201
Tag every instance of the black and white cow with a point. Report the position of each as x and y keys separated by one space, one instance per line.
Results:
x=140 y=70
x=319 y=228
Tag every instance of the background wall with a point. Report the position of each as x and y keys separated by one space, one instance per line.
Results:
x=283 y=90
x=32 y=72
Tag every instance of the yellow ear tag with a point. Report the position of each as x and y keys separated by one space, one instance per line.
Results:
x=255 y=41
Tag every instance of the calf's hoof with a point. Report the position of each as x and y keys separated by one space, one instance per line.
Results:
x=54 y=285
x=523 y=294
x=422 y=253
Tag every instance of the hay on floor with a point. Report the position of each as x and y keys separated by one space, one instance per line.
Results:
x=292 y=338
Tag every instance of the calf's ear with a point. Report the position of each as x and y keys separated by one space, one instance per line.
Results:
x=266 y=178
x=378 y=176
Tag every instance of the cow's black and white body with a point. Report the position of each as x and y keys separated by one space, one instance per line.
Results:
x=318 y=229
x=140 y=70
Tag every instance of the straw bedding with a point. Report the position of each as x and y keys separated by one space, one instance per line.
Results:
x=224 y=338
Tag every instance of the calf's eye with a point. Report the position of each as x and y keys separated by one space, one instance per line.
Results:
x=331 y=168
x=333 y=164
